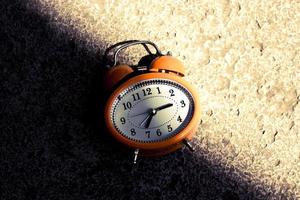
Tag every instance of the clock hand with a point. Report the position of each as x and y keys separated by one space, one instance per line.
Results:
x=148 y=116
x=154 y=111
x=157 y=109
x=151 y=113
x=148 y=111
x=163 y=107
x=148 y=121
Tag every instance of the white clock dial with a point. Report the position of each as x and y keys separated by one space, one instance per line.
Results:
x=152 y=110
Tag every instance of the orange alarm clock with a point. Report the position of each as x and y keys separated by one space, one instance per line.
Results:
x=151 y=108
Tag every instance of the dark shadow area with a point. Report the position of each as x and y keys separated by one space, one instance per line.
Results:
x=53 y=144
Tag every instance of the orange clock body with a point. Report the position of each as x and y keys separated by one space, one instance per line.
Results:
x=160 y=147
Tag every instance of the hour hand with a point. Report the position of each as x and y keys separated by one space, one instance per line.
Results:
x=156 y=109
x=163 y=106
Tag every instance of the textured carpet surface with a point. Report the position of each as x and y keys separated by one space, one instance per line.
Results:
x=243 y=56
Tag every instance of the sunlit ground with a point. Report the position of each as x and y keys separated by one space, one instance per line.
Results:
x=244 y=58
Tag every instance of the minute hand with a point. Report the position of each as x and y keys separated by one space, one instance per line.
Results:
x=163 y=107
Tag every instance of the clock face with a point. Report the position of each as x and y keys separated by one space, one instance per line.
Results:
x=152 y=110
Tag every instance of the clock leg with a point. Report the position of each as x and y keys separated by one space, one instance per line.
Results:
x=189 y=145
x=136 y=153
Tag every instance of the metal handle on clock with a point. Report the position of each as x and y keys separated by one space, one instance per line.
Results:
x=125 y=44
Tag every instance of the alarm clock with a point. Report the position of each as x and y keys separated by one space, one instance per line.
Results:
x=151 y=109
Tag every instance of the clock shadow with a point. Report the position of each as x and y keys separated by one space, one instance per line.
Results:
x=54 y=143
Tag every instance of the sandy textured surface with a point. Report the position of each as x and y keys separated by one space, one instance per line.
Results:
x=244 y=58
